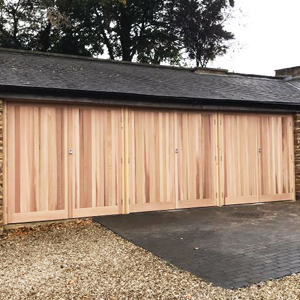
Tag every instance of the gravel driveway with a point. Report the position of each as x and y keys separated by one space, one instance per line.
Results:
x=82 y=260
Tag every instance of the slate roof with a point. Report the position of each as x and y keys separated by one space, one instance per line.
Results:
x=68 y=73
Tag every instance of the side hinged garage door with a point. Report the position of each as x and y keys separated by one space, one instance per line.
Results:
x=172 y=160
x=37 y=177
x=63 y=162
x=256 y=158
x=66 y=161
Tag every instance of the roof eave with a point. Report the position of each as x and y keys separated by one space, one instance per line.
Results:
x=5 y=91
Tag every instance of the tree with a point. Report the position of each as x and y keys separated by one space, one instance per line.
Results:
x=22 y=23
x=202 y=29
x=153 y=31
x=37 y=25
x=126 y=29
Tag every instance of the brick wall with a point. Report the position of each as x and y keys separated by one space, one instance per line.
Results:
x=297 y=153
x=1 y=163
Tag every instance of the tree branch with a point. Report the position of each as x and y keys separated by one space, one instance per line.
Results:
x=105 y=38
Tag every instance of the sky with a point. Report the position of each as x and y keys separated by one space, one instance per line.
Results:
x=267 y=37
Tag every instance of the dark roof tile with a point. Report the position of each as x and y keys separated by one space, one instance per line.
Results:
x=36 y=70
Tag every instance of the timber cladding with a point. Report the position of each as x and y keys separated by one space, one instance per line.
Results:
x=67 y=161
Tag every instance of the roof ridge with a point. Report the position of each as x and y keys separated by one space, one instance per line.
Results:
x=102 y=60
x=95 y=59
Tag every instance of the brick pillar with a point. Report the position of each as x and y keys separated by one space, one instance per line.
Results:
x=1 y=163
x=297 y=153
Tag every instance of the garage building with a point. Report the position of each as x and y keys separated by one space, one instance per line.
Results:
x=88 y=137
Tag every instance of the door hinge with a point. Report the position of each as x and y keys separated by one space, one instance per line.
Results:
x=121 y=160
x=216 y=195
x=7 y=210
x=129 y=160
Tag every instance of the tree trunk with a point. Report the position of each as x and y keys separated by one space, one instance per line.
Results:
x=125 y=28
x=45 y=38
x=15 y=30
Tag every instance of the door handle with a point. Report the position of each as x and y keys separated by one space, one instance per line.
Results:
x=259 y=149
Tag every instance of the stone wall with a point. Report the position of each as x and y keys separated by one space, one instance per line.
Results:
x=297 y=153
x=1 y=163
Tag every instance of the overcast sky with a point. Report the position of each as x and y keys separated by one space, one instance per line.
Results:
x=267 y=37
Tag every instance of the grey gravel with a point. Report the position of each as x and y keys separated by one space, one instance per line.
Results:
x=83 y=260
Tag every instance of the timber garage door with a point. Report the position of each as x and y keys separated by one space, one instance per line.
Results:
x=63 y=162
x=172 y=160
x=256 y=158
x=78 y=161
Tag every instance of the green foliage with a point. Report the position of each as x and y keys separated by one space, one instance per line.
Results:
x=202 y=28
x=153 y=31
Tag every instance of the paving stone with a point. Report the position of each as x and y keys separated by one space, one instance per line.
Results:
x=233 y=252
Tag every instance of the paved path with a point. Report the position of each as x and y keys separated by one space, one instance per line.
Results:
x=229 y=246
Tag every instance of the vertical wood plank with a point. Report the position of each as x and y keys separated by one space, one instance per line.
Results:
x=93 y=157
x=5 y=163
x=71 y=163
x=65 y=160
x=216 y=162
x=36 y=141
x=128 y=160
x=176 y=158
x=51 y=159
x=259 y=158
x=77 y=156
x=221 y=159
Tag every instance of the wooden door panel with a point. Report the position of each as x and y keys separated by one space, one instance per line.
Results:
x=46 y=181
x=275 y=134
x=151 y=144
x=96 y=142
x=196 y=159
x=36 y=180
x=240 y=153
